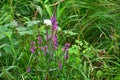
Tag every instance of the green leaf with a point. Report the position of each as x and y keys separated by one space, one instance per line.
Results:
x=32 y=23
x=39 y=10
x=6 y=72
x=2 y=35
x=0 y=54
x=23 y=31
x=4 y=45
x=69 y=32
x=2 y=29
x=8 y=34
x=48 y=10
x=46 y=1
x=99 y=73
x=14 y=23
x=74 y=49
x=117 y=77
x=79 y=42
x=7 y=49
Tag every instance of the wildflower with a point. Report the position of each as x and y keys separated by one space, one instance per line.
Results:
x=60 y=64
x=39 y=39
x=55 y=43
x=32 y=49
x=65 y=48
x=54 y=23
x=48 y=22
x=48 y=37
x=28 y=70
x=44 y=49
x=66 y=56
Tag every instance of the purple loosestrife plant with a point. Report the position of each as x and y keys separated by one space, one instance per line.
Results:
x=54 y=23
x=49 y=46
x=54 y=30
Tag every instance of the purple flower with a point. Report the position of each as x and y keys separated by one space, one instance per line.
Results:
x=67 y=44
x=60 y=64
x=48 y=37
x=32 y=49
x=44 y=49
x=39 y=39
x=32 y=43
x=28 y=70
x=54 y=23
x=65 y=48
x=53 y=19
x=54 y=30
x=66 y=56
x=55 y=43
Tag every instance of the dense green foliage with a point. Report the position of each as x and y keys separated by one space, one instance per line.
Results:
x=92 y=27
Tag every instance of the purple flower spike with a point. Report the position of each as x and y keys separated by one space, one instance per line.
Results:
x=44 y=49
x=32 y=49
x=54 y=38
x=65 y=48
x=54 y=23
x=53 y=19
x=49 y=37
x=32 y=43
x=55 y=27
x=39 y=39
x=67 y=44
x=60 y=64
x=66 y=56
x=28 y=70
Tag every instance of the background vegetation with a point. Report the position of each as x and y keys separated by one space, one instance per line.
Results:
x=92 y=27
